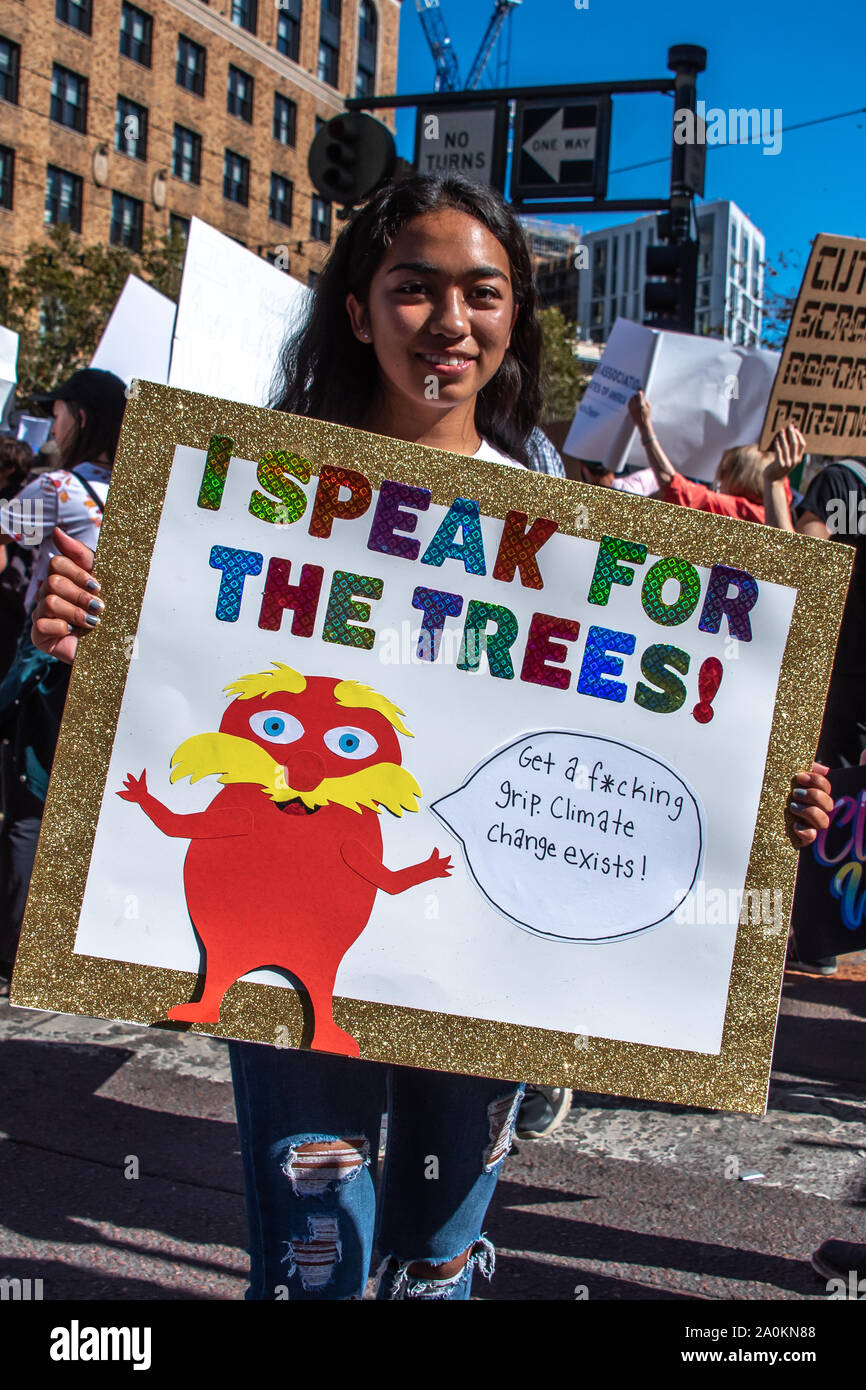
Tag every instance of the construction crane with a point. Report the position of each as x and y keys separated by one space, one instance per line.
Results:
x=442 y=49
x=440 y=45
x=501 y=10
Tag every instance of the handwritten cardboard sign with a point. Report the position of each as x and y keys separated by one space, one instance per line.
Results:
x=408 y=756
x=821 y=383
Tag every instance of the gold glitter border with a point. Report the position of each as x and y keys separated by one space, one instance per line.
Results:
x=49 y=975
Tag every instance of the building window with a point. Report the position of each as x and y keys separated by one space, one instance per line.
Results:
x=186 y=155
x=68 y=98
x=240 y=94
x=599 y=269
x=245 y=14
x=320 y=219
x=136 y=34
x=236 y=178
x=329 y=42
x=368 y=29
x=289 y=29
x=63 y=193
x=7 y=176
x=126 y=221
x=78 y=14
x=130 y=128
x=280 y=208
x=10 y=57
x=178 y=227
x=285 y=119
x=191 y=58
x=614 y=253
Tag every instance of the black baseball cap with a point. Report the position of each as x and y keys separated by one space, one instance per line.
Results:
x=97 y=391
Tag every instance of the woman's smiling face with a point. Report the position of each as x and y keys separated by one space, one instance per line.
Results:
x=440 y=309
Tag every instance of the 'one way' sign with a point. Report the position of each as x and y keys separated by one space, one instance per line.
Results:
x=560 y=150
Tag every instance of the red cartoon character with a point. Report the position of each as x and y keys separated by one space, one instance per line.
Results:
x=284 y=865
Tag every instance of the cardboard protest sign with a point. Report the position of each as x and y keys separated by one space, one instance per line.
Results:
x=459 y=766
x=821 y=383
x=829 y=917
x=707 y=395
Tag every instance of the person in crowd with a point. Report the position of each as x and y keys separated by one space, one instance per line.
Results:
x=640 y=481
x=431 y=277
x=16 y=459
x=87 y=412
x=738 y=489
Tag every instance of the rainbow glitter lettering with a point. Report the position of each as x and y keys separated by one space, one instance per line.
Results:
x=464 y=513
x=235 y=566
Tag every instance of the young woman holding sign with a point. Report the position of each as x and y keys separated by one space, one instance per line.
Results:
x=423 y=329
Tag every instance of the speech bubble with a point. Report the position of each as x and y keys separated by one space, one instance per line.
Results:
x=576 y=837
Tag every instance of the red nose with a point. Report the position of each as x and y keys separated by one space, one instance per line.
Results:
x=304 y=771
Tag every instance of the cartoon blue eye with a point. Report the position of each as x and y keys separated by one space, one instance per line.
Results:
x=351 y=743
x=276 y=726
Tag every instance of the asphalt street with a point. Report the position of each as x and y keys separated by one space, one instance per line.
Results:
x=121 y=1176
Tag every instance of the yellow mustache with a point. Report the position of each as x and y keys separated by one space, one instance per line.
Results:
x=237 y=760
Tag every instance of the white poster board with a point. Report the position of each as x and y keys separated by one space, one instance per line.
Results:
x=233 y=314
x=8 y=371
x=707 y=395
x=579 y=822
x=136 y=341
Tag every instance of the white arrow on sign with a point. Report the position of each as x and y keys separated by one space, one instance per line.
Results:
x=552 y=145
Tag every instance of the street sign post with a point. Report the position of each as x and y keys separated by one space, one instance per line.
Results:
x=472 y=141
x=560 y=149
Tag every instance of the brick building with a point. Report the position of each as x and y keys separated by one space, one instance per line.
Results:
x=116 y=117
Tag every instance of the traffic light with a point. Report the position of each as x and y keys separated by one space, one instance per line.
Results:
x=669 y=302
x=350 y=156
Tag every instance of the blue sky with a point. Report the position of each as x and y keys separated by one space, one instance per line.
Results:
x=802 y=57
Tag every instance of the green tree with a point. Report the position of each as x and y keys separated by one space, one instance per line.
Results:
x=61 y=296
x=564 y=381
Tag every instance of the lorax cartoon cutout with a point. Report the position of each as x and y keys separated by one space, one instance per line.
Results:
x=284 y=865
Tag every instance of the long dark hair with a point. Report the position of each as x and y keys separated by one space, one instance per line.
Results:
x=324 y=372
x=97 y=432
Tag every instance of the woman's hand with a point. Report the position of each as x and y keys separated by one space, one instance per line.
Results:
x=639 y=410
x=812 y=803
x=789 y=446
x=66 y=604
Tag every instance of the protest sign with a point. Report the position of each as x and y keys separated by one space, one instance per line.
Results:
x=8 y=370
x=233 y=313
x=499 y=758
x=829 y=917
x=707 y=396
x=136 y=341
x=821 y=383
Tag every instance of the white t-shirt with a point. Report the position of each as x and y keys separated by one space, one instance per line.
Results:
x=65 y=502
x=493 y=455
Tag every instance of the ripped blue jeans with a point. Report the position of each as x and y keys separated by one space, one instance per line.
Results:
x=316 y=1212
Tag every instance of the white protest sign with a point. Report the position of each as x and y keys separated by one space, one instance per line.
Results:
x=34 y=430
x=602 y=427
x=706 y=395
x=634 y=834
x=8 y=369
x=136 y=341
x=233 y=315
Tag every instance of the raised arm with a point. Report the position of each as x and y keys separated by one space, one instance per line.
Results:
x=639 y=410
x=789 y=446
